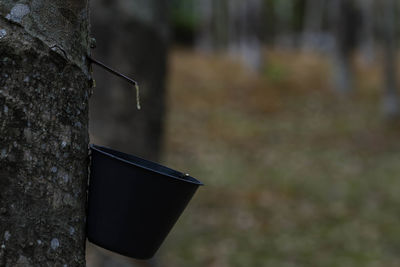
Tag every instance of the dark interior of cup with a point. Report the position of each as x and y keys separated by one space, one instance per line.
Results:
x=146 y=164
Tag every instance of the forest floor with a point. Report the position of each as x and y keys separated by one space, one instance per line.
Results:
x=295 y=174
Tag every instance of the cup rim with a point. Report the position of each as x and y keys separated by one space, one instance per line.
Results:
x=168 y=171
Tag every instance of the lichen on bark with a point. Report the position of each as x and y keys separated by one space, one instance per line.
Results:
x=44 y=92
x=60 y=24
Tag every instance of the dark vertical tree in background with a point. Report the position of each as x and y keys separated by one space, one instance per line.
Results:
x=390 y=95
x=232 y=26
x=244 y=19
x=44 y=91
x=213 y=33
x=211 y=15
x=344 y=18
x=313 y=22
x=283 y=13
x=131 y=36
x=367 y=30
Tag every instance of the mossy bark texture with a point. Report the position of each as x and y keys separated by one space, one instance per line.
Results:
x=44 y=92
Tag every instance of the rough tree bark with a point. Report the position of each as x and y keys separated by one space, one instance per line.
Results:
x=44 y=91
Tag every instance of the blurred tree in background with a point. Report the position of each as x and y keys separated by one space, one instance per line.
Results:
x=131 y=36
x=390 y=100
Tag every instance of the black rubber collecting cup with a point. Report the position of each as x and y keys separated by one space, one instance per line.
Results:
x=133 y=203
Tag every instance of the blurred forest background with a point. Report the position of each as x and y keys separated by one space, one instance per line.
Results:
x=287 y=110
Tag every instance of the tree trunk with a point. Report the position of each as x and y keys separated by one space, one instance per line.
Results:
x=213 y=35
x=283 y=12
x=232 y=26
x=344 y=22
x=313 y=19
x=44 y=91
x=244 y=18
x=390 y=97
x=139 y=49
x=367 y=30
x=204 y=38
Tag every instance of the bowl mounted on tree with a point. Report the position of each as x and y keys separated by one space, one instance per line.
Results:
x=133 y=203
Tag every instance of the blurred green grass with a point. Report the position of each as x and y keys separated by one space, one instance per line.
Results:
x=295 y=175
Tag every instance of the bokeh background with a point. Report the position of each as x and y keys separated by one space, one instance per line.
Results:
x=287 y=110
